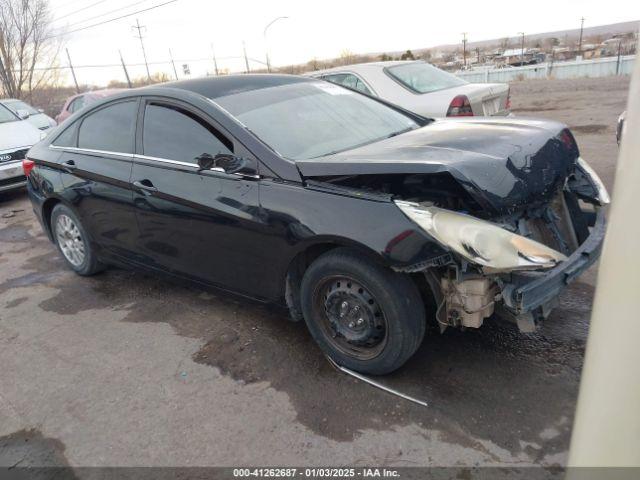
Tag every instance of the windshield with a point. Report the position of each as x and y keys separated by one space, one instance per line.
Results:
x=16 y=105
x=423 y=78
x=312 y=119
x=6 y=115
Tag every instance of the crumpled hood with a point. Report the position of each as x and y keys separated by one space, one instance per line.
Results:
x=14 y=135
x=502 y=163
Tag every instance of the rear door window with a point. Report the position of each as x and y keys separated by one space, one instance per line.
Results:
x=66 y=138
x=109 y=129
x=349 y=80
x=173 y=133
x=76 y=104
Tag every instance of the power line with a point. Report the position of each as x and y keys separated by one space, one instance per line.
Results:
x=114 y=19
x=107 y=13
x=142 y=64
x=81 y=10
x=65 y=5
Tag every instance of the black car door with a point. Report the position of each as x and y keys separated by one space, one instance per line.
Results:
x=96 y=160
x=194 y=223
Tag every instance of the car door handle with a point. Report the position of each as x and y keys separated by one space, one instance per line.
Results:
x=145 y=185
x=69 y=165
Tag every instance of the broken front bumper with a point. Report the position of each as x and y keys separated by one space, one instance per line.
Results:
x=534 y=292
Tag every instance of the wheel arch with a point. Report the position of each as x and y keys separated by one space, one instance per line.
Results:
x=306 y=255
x=47 y=209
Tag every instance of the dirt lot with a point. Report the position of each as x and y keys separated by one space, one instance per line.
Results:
x=125 y=369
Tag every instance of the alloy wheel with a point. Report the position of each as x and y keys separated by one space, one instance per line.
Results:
x=70 y=240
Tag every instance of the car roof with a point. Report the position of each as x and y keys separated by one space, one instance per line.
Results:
x=106 y=92
x=102 y=93
x=360 y=66
x=221 y=86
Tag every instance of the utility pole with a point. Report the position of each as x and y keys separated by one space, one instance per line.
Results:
x=246 y=60
x=215 y=61
x=124 y=67
x=175 y=72
x=144 y=54
x=619 y=55
x=73 y=72
x=521 y=49
x=580 y=41
x=464 y=49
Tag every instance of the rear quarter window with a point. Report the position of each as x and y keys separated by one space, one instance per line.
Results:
x=67 y=138
x=110 y=128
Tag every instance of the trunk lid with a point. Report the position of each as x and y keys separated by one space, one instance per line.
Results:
x=486 y=99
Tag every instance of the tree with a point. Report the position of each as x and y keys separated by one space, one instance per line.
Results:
x=313 y=64
x=347 y=57
x=408 y=55
x=27 y=44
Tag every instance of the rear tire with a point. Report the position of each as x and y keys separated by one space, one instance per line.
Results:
x=362 y=315
x=73 y=242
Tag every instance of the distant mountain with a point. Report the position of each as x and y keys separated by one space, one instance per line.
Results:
x=605 y=31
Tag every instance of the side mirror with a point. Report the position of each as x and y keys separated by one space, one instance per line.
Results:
x=229 y=163
x=205 y=162
x=225 y=161
x=22 y=114
x=41 y=110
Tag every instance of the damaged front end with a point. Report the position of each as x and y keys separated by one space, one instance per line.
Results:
x=514 y=265
x=516 y=224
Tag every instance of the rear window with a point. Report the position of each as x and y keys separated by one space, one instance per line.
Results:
x=109 y=129
x=423 y=78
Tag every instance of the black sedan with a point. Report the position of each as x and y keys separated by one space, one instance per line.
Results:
x=367 y=221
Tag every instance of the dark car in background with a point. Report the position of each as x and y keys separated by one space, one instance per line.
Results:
x=367 y=221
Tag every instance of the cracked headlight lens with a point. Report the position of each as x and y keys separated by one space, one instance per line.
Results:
x=481 y=242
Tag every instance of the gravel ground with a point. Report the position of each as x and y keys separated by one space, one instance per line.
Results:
x=126 y=369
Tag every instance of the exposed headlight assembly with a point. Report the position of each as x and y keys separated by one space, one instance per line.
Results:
x=480 y=242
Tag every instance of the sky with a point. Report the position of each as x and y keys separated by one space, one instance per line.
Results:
x=320 y=29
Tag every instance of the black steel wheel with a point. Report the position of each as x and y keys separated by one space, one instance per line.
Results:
x=353 y=321
x=364 y=316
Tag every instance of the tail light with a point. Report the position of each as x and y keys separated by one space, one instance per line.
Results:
x=508 y=104
x=27 y=166
x=460 y=107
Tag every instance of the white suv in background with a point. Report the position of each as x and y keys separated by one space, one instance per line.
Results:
x=16 y=138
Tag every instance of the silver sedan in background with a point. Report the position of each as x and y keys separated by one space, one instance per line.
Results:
x=422 y=88
x=24 y=111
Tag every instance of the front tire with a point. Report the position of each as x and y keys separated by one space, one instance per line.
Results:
x=364 y=316
x=73 y=242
